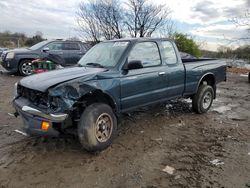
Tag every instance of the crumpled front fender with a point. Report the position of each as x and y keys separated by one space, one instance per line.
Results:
x=67 y=94
x=64 y=96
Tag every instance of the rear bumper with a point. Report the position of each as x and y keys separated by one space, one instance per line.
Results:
x=33 y=118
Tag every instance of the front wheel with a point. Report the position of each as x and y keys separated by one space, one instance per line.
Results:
x=25 y=67
x=203 y=99
x=97 y=127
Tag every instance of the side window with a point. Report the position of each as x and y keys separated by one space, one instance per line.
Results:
x=55 y=46
x=71 y=46
x=147 y=53
x=169 y=53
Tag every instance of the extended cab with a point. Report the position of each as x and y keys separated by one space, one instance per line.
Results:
x=111 y=78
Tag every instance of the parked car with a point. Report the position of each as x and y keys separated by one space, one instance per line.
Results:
x=2 y=50
x=111 y=78
x=19 y=60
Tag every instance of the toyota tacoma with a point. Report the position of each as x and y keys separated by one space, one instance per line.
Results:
x=113 y=77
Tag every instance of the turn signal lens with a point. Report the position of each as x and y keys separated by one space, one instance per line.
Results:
x=45 y=125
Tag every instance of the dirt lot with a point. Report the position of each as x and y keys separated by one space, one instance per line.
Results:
x=149 y=139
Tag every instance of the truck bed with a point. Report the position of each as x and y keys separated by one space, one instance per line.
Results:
x=196 y=69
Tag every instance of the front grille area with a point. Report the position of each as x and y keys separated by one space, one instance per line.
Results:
x=36 y=97
x=3 y=56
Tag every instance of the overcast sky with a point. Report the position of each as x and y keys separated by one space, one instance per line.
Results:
x=207 y=20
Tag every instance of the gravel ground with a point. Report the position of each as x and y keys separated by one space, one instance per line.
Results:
x=209 y=150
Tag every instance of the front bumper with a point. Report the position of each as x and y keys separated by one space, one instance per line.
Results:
x=10 y=64
x=33 y=118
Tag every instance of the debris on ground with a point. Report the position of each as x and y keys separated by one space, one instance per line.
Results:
x=177 y=177
x=180 y=124
x=217 y=162
x=222 y=109
x=11 y=114
x=168 y=169
x=169 y=106
x=244 y=75
x=158 y=140
x=21 y=132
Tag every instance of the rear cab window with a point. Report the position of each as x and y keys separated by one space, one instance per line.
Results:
x=169 y=54
x=147 y=53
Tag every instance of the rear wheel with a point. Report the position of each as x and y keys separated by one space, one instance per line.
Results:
x=97 y=127
x=203 y=99
x=25 y=67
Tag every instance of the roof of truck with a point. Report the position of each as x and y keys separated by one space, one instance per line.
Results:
x=138 y=39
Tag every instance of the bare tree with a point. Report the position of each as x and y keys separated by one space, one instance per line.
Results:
x=243 y=21
x=88 y=24
x=109 y=16
x=100 y=19
x=109 y=19
x=143 y=18
x=168 y=30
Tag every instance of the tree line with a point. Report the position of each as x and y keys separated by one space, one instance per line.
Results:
x=16 y=40
x=242 y=52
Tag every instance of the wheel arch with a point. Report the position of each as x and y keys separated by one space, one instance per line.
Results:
x=98 y=95
x=209 y=79
x=23 y=59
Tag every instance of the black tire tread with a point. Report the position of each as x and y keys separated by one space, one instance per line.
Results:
x=196 y=102
x=85 y=127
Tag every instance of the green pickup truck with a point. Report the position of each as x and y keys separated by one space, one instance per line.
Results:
x=113 y=77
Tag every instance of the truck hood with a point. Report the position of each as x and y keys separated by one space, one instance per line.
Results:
x=18 y=50
x=41 y=82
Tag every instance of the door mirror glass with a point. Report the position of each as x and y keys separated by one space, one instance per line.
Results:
x=134 y=64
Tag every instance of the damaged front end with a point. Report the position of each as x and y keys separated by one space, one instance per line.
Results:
x=34 y=108
x=60 y=106
x=63 y=98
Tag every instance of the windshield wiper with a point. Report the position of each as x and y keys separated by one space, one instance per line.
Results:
x=95 y=65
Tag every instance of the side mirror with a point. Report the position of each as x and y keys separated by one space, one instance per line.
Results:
x=46 y=49
x=135 y=64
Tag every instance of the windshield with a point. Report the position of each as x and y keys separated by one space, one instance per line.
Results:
x=38 y=45
x=104 y=54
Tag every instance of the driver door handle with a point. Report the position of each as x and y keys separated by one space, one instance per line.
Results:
x=161 y=73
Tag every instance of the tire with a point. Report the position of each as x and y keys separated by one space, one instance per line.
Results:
x=203 y=99
x=25 y=67
x=94 y=133
x=249 y=77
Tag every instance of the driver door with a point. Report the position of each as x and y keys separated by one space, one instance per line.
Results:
x=144 y=85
